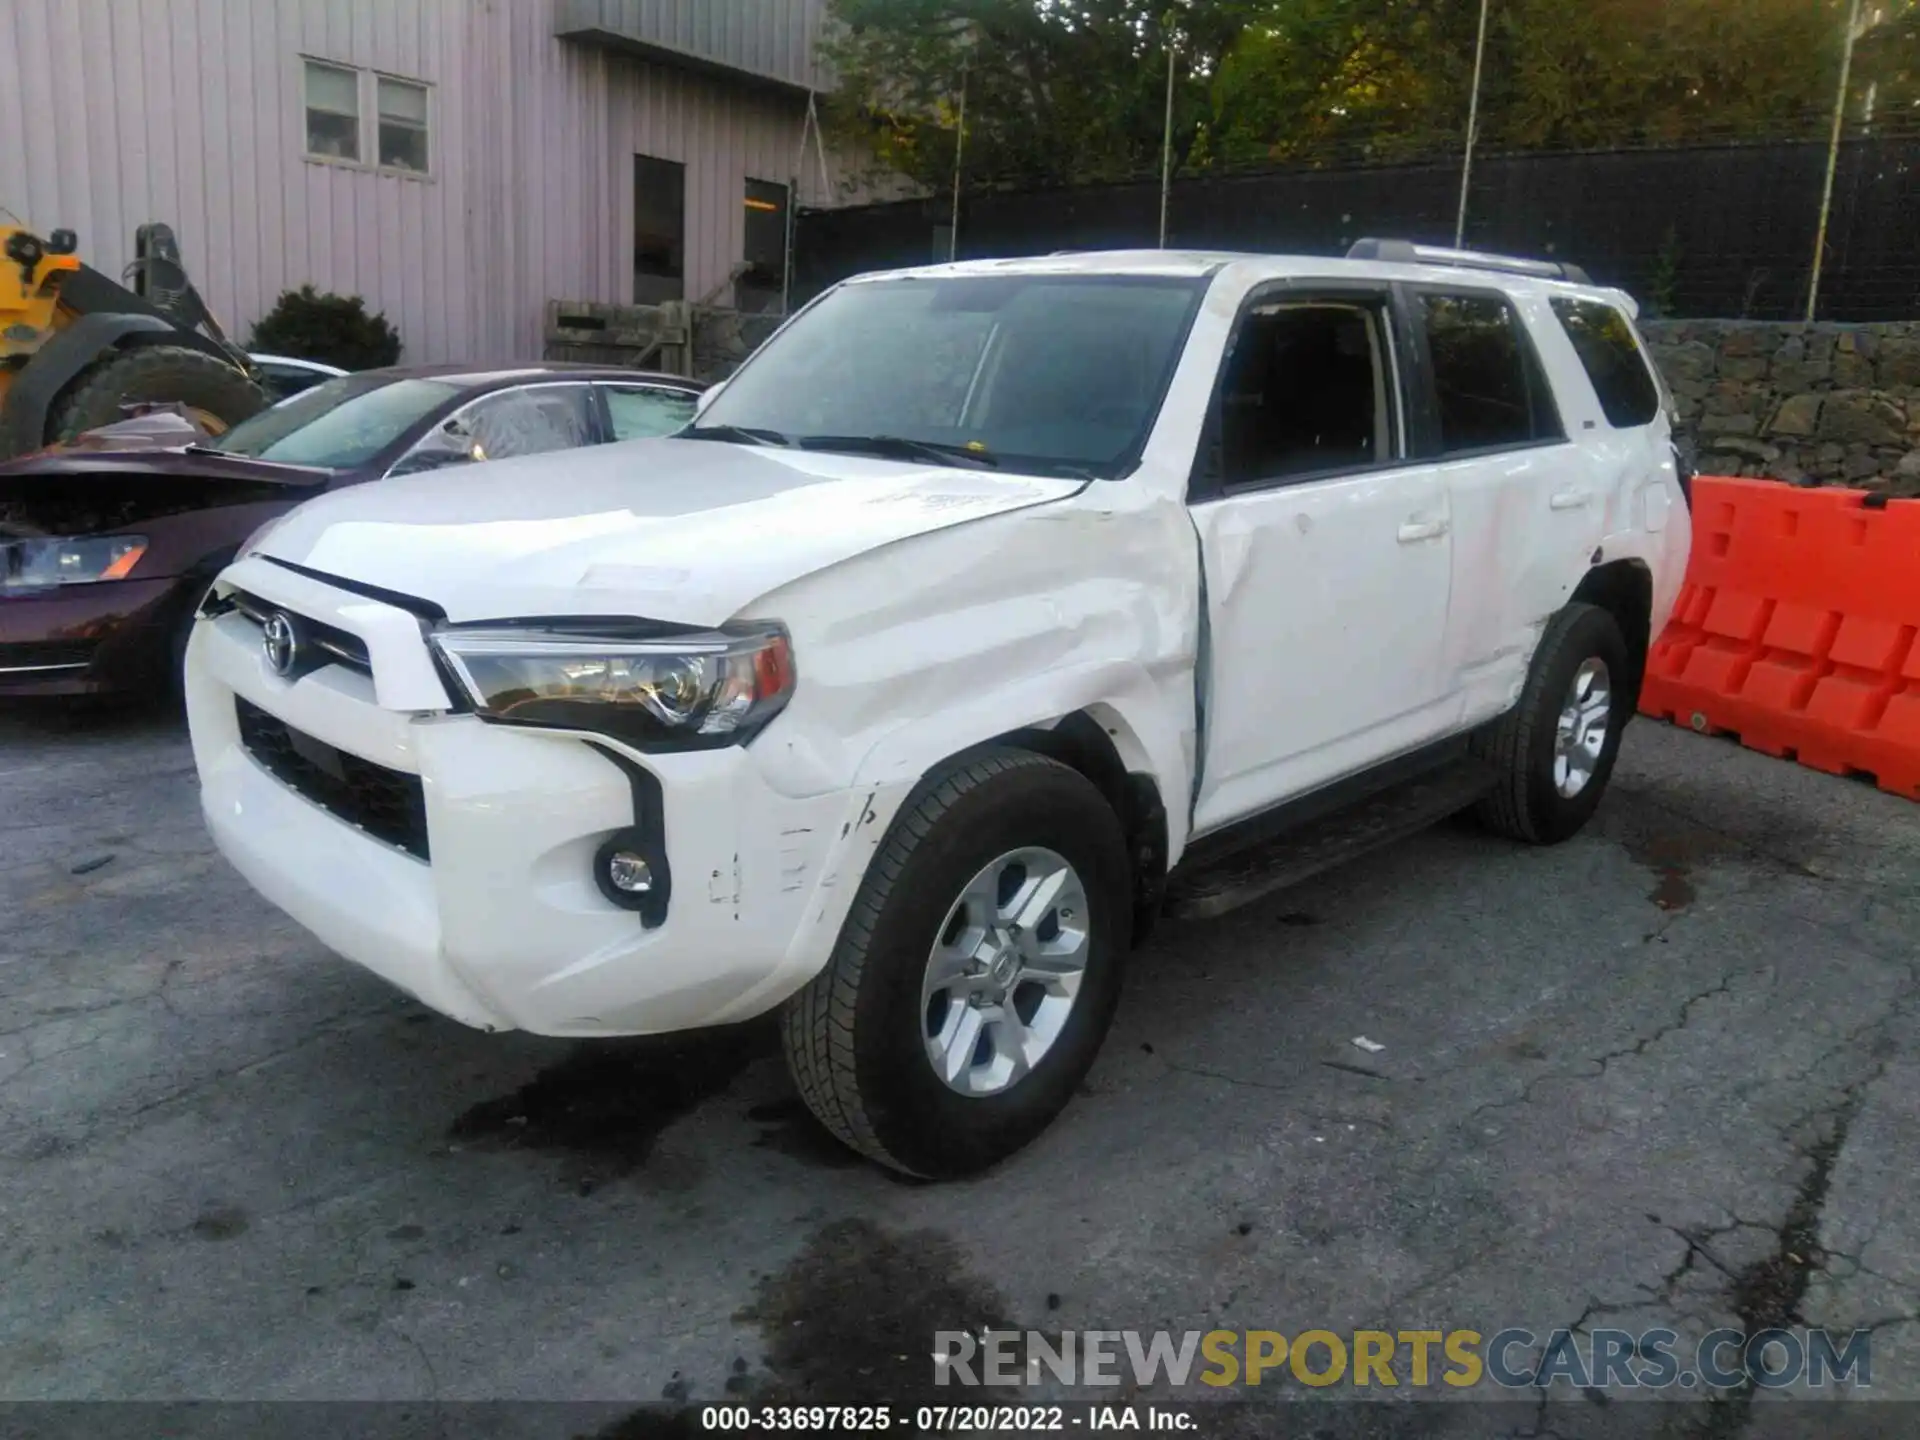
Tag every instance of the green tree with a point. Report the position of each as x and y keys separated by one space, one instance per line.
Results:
x=1057 y=91
x=1060 y=91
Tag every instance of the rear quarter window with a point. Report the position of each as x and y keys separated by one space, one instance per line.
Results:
x=1487 y=381
x=1621 y=375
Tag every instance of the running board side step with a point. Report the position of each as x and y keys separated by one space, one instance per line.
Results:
x=1243 y=876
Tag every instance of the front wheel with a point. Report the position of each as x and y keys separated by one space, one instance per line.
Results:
x=977 y=973
x=1555 y=750
x=217 y=395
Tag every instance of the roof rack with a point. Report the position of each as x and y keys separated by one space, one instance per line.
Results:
x=1406 y=252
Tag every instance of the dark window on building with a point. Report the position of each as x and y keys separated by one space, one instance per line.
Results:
x=1613 y=360
x=763 y=285
x=659 y=230
x=333 y=111
x=1307 y=391
x=1492 y=393
x=403 y=124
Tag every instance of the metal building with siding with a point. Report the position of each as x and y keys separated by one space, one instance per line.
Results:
x=455 y=162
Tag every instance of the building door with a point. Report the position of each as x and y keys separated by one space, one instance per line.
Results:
x=763 y=282
x=659 y=230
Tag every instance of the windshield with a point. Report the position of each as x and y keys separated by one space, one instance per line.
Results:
x=343 y=422
x=1040 y=372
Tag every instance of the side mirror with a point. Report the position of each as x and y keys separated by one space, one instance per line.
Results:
x=707 y=398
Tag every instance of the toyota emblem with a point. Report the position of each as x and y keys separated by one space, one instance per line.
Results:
x=281 y=642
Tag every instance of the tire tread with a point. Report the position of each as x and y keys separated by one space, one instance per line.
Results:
x=817 y=1025
x=1508 y=808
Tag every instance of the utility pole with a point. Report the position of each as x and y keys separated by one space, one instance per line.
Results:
x=1166 y=139
x=959 y=152
x=1833 y=158
x=1473 y=127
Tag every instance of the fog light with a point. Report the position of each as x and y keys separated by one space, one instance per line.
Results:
x=629 y=873
x=630 y=869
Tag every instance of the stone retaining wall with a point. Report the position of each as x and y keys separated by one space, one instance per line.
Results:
x=1822 y=404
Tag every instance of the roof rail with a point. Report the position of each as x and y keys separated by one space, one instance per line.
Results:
x=1406 y=252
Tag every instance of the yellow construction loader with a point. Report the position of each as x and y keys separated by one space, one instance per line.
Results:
x=79 y=350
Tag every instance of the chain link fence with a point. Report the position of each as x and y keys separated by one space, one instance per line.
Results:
x=1706 y=230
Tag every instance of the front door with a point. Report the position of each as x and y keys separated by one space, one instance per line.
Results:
x=1327 y=556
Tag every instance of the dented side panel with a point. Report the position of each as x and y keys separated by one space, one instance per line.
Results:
x=920 y=650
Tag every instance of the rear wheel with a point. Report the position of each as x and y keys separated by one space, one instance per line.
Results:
x=216 y=394
x=977 y=973
x=1555 y=750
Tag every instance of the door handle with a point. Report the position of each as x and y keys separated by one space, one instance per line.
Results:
x=1572 y=499
x=1414 y=531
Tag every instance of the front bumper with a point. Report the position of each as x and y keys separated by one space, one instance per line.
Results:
x=86 y=639
x=504 y=927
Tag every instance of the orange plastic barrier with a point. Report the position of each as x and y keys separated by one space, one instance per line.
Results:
x=1795 y=629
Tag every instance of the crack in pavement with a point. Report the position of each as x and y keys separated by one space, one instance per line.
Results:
x=1766 y=1295
x=1724 y=986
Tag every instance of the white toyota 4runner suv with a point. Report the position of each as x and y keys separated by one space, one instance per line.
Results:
x=989 y=611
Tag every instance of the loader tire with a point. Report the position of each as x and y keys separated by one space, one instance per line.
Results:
x=219 y=394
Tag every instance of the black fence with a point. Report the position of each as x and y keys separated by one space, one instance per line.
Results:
x=1724 y=232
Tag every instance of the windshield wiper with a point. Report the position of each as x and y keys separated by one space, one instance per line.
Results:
x=902 y=447
x=739 y=434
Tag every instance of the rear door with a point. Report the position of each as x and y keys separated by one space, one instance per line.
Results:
x=1326 y=551
x=1524 y=498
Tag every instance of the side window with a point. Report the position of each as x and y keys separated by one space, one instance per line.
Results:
x=532 y=421
x=638 y=413
x=1308 y=390
x=1614 y=362
x=1491 y=391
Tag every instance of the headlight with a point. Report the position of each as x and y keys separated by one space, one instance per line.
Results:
x=675 y=692
x=77 y=560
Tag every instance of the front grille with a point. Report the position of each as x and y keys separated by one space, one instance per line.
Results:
x=389 y=805
x=336 y=645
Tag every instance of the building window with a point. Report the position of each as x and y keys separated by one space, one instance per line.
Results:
x=333 y=111
x=763 y=280
x=403 y=125
x=338 y=97
x=659 y=230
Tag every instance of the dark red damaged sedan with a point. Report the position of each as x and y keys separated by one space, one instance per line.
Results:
x=104 y=554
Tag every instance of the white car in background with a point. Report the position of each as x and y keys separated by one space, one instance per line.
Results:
x=283 y=376
x=988 y=612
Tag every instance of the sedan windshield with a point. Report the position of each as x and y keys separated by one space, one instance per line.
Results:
x=1049 y=373
x=341 y=423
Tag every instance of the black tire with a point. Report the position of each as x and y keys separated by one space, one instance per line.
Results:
x=854 y=1036
x=153 y=374
x=1526 y=804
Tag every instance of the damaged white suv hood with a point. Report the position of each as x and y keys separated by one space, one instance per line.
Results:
x=684 y=531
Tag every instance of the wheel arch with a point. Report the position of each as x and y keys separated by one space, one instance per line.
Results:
x=1100 y=745
x=37 y=388
x=1624 y=589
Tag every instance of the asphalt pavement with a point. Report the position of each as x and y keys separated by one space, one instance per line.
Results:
x=1662 y=1075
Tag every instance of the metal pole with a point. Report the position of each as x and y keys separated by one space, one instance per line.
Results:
x=1833 y=159
x=959 y=150
x=786 y=268
x=1166 y=143
x=1473 y=127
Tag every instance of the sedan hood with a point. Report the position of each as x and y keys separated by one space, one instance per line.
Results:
x=90 y=493
x=683 y=531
